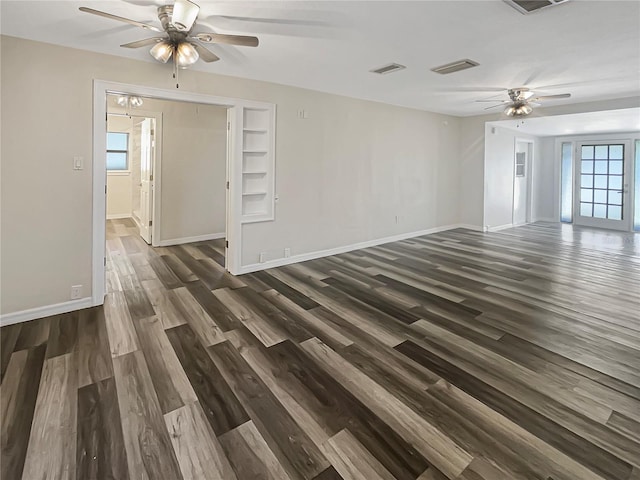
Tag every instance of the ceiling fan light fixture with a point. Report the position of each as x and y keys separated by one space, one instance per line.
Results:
x=184 y=15
x=162 y=51
x=518 y=110
x=129 y=101
x=186 y=54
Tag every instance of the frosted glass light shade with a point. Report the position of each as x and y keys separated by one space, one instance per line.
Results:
x=162 y=51
x=186 y=54
x=184 y=15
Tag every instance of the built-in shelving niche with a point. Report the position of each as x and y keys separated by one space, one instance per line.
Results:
x=258 y=141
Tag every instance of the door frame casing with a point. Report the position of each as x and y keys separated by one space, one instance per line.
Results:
x=234 y=228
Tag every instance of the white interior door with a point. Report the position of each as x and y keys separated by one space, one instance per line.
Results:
x=147 y=149
x=601 y=196
x=521 y=183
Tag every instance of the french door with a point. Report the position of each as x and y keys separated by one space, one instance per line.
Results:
x=602 y=185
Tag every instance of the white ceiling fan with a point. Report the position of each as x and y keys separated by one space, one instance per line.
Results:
x=180 y=41
x=521 y=101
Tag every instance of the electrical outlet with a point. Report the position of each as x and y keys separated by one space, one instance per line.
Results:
x=76 y=292
x=287 y=252
x=263 y=257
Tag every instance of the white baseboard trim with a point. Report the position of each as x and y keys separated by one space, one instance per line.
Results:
x=501 y=227
x=46 y=311
x=199 y=238
x=279 y=262
x=468 y=226
x=115 y=216
x=546 y=219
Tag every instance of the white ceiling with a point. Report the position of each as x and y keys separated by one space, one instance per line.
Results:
x=590 y=49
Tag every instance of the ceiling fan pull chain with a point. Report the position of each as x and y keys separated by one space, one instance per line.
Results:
x=175 y=68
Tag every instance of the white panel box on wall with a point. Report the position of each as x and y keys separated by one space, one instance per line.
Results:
x=258 y=164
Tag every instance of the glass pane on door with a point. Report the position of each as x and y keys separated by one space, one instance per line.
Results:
x=601 y=181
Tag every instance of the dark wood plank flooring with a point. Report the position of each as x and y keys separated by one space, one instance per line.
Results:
x=459 y=355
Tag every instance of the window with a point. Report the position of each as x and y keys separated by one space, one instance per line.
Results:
x=117 y=151
x=566 y=174
x=601 y=181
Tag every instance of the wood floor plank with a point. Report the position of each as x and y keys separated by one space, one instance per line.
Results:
x=352 y=460
x=169 y=380
x=100 y=444
x=437 y=448
x=8 y=337
x=285 y=437
x=32 y=334
x=216 y=310
x=18 y=395
x=150 y=454
x=199 y=453
x=221 y=406
x=51 y=453
x=262 y=330
x=163 y=307
x=597 y=459
x=197 y=317
x=334 y=407
x=63 y=334
x=93 y=355
x=120 y=329
x=250 y=455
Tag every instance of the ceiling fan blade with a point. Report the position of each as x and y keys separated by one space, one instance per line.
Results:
x=143 y=43
x=492 y=101
x=242 y=40
x=551 y=97
x=205 y=54
x=184 y=14
x=120 y=19
x=494 y=106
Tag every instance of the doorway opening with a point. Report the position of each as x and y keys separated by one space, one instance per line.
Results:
x=236 y=132
x=523 y=159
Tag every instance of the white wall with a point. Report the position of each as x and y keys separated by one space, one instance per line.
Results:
x=499 y=164
x=119 y=184
x=546 y=178
x=336 y=187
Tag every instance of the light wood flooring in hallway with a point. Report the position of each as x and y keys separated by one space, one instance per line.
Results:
x=459 y=355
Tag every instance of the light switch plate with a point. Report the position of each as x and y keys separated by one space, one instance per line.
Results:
x=78 y=162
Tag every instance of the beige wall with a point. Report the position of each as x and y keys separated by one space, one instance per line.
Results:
x=342 y=175
x=194 y=146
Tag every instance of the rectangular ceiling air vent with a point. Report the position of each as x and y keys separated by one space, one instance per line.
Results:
x=392 y=67
x=529 y=6
x=455 y=66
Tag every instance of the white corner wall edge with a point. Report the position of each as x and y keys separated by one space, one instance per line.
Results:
x=46 y=311
x=199 y=238
x=279 y=262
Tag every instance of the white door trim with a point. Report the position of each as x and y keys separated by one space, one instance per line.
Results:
x=100 y=90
